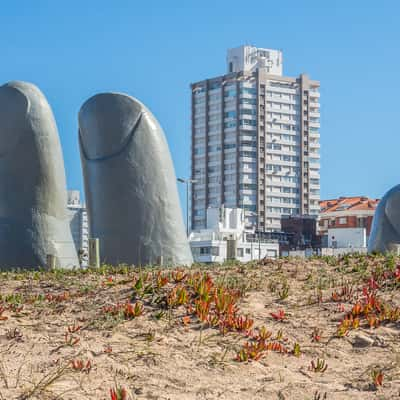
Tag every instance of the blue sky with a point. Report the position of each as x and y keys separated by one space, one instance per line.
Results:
x=153 y=50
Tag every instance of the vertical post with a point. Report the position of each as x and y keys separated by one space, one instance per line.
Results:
x=160 y=261
x=259 y=247
x=50 y=262
x=94 y=253
x=187 y=208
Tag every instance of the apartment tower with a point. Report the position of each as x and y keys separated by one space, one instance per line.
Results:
x=255 y=141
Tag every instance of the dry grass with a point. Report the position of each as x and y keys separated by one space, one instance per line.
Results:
x=285 y=329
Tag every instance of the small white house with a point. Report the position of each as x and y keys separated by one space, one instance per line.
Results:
x=225 y=237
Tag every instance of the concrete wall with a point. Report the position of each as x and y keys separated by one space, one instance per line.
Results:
x=347 y=237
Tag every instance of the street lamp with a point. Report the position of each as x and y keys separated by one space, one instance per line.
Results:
x=187 y=182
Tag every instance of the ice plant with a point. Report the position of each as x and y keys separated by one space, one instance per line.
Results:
x=119 y=394
x=224 y=301
x=296 y=350
x=343 y=328
x=71 y=340
x=161 y=280
x=279 y=335
x=108 y=282
x=276 y=346
x=263 y=334
x=318 y=366
x=377 y=377
x=202 y=308
x=74 y=328
x=251 y=351
x=278 y=316
x=178 y=275
x=82 y=366
x=58 y=298
x=316 y=335
x=357 y=309
x=178 y=296
x=233 y=323
x=133 y=310
x=2 y=317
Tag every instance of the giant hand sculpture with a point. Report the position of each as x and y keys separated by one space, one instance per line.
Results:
x=33 y=197
x=130 y=184
x=385 y=233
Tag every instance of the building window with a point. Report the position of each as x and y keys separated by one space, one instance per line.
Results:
x=240 y=252
x=230 y=124
x=230 y=114
x=362 y=222
x=204 y=250
x=342 y=220
x=247 y=251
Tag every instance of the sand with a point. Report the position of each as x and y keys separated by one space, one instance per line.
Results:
x=61 y=336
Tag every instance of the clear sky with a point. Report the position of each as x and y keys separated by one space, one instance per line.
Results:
x=153 y=50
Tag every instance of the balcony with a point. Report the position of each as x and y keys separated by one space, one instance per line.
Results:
x=314 y=124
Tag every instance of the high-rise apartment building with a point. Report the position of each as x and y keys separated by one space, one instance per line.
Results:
x=255 y=141
x=78 y=221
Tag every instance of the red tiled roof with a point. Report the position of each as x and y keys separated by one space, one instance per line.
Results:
x=359 y=203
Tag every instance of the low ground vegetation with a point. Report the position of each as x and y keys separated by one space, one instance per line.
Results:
x=322 y=328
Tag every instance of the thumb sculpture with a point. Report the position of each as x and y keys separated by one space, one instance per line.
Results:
x=33 y=197
x=130 y=184
x=385 y=232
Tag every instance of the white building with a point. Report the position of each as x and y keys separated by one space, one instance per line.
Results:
x=255 y=141
x=225 y=237
x=78 y=221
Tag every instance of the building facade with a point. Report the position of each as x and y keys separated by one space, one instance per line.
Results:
x=78 y=221
x=226 y=238
x=301 y=233
x=347 y=212
x=255 y=141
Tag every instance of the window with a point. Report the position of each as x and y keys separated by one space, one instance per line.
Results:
x=204 y=250
x=215 y=85
x=230 y=114
x=214 y=117
x=342 y=220
x=250 y=122
x=247 y=251
x=248 y=154
x=214 y=97
x=249 y=90
x=230 y=92
x=248 y=112
x=199 y=150
x=274 y=146
x=214 y=148
x=240 y=252
x=247 y=186
x=253 y=102
x=230 y=124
